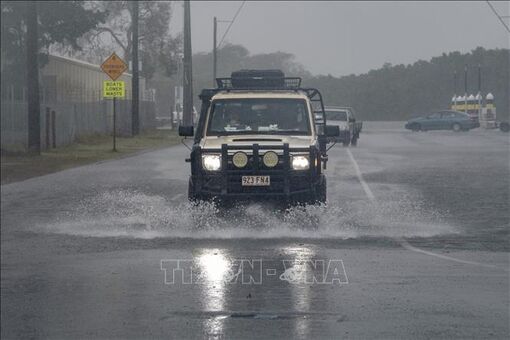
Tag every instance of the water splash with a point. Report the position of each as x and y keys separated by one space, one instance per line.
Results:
x=138 y=215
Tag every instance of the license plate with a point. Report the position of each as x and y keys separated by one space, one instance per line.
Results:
x=255 y=181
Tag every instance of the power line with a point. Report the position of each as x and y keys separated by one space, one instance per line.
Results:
x=231 y=23
x=499 y=17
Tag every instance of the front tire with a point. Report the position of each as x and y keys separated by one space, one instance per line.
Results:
x=354 y=141
x=456 y=127
x=192 y=195
x=415 y=127
x=321 y=192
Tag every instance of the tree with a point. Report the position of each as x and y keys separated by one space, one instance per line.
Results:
x=60 y=23
x=233 y=57
x=158 y=48
x=29 y=30
x=392 y=92
x=401 y=91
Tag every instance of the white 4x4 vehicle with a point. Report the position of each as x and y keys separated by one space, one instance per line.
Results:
x=258 y=136
x=345 y=119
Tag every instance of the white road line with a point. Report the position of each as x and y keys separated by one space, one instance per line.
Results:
x=403 y=242
x=407 y=246
x=364 y=184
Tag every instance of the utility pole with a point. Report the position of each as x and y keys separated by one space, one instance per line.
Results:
x=479 y=94
x=465 y=79
x=135 y=80
x=465 y=87
x=32 y=69
x=187 y=114
x=479 y=78
x=455 y=82
x=215 y=44
x=215 y=58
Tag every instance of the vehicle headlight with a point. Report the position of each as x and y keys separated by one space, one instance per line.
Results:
x=270 y=159
x=300 y=163
x=211 y=162
x=240 y=159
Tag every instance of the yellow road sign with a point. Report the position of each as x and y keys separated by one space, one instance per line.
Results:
x=113 y=66
x=114 y=89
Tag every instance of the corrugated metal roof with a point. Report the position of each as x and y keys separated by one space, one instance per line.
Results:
x=81 y=63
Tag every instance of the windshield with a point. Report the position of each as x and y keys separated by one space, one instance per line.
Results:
x=336 y=115
x=258 y=116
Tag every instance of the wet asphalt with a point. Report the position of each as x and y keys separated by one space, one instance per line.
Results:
x=413 y=245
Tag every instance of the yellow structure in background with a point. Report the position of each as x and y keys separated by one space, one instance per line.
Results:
x=476 y=108
x=488 y=113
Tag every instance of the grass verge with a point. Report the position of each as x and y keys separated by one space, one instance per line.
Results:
x=86 y=150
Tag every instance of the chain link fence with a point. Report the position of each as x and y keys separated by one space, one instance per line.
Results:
x=63 y=122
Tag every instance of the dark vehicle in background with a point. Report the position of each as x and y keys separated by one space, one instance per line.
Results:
x=443 y=120
x=345 y=119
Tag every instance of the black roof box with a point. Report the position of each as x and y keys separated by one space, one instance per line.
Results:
x=258 y=78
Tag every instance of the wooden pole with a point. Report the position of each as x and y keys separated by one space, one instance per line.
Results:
x=135 y=80
x=32 y=69
x=215 y=57
x=188 y=78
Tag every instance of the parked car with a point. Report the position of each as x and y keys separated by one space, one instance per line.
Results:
x=442 y=120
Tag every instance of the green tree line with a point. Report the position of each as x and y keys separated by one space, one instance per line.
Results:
x=392 y=92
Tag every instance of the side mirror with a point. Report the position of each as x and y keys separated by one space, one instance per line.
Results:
x=332 y=131
x=185 y=131
x=351 y=120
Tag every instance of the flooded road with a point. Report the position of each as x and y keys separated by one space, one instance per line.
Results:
x=414 y=242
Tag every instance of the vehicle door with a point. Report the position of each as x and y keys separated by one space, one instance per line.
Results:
x=350 y=121
x=432 y=121
x=448 y=118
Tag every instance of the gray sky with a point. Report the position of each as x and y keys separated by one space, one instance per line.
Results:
x=350 y=37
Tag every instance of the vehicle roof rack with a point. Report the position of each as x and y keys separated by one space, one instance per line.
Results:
x=258 y=80
x=289 y=83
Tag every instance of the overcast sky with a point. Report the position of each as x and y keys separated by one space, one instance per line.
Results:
x=341 y=38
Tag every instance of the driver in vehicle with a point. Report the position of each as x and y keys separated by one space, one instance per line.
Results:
x=235 y=121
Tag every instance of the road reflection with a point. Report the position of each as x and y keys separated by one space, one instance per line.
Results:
x=221 y=284
x=299 y=258
x=214 y=270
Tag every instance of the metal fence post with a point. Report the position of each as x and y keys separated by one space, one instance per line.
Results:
x=114 y=127
x=53 y=129
x=47 y=127
x=13 y=127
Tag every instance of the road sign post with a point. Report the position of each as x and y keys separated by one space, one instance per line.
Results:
x=114 y=67
x=114 y=127
x=113 y=90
